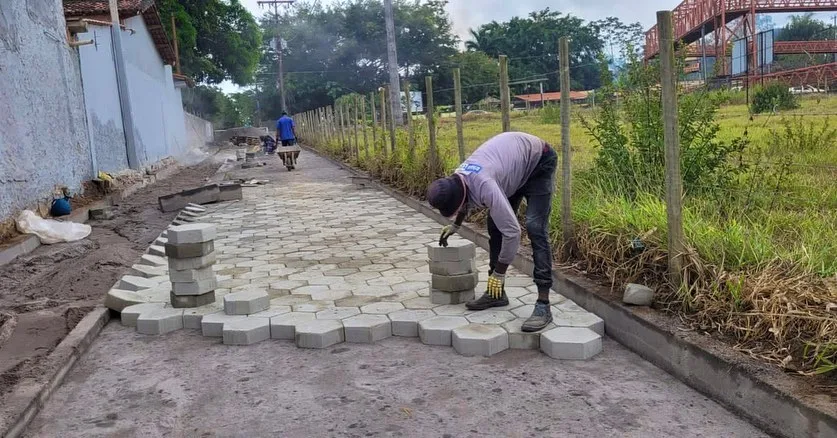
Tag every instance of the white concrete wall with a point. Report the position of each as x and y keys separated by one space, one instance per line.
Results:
x=101 y=97
x=155 y=102
x=198 y=131
x=43 y=129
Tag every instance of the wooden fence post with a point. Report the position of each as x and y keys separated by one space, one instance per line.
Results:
x=392 y=124
x=374 y=123
x=671 y=138
x=365 y=138
x=384 y=120
x=411 y=141
x=505 y=103
x=431 y=125
x=457 y=100
x=566 y=152
x=355 y=123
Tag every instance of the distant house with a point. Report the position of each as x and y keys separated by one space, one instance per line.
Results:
x=552 y=97
x=156 y=107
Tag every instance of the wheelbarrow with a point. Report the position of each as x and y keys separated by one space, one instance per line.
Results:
x=288 y=155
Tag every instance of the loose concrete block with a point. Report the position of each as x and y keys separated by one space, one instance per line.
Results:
x=188 y=213
x=230 y=192
x=129 y=315
x=192 y=233
x=192 y=318
x=571 y=343
x=160 y=321
x=147 y=271
x=480 y=340
x=490 y=316
x=189 y=275
x=419 y=303
x=135 y=284
x=101 y=213
x=638 y=295
x=118 y=299
x=191 y=301
x=319 y=333
x=157 y=250
x=246 y=331
x=580 y=320
x=192 y=263
x=186 y=218
x=520 y=340
x=441 y=297
x=195 y=208
x=453 y=268
x=201 y=195
x=382 y=308
x=198 y=287
x=212 y=325
x=152 y=260
x=456 y=251
x=367 y=329
x=454 y=283
x=437 y=330
x=188 y=250
x=284 y=326
x=405 y=322
x=338 y=313
x=246 y=302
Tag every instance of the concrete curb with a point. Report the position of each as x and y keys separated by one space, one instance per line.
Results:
x=30 y=395
x=703 y=367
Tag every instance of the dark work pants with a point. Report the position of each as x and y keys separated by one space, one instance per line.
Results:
x=538 y=191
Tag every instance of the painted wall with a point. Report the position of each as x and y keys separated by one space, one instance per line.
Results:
x=43 y=129
x=198 y=131
x=155 y=102
x=101 y=98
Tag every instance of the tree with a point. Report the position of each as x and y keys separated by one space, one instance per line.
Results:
x=218 y=39
x=532 y=46
x=618 y=37
x=479 y=75
x=340 y=48
x=803 y=28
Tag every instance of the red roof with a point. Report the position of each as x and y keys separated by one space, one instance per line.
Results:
x=127 y=8
x=552 y=96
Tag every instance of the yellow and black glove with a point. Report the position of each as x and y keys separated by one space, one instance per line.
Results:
x=496 y=281
x=447 y=231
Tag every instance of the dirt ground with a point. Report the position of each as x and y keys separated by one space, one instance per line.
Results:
x=44 y=294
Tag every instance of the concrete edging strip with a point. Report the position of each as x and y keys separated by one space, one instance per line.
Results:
x=30 y=395
x=731 y=384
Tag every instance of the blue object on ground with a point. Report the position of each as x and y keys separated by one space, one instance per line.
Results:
x=60 y=207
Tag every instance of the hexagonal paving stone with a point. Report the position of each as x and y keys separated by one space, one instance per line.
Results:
x=290 y=300
x=452 y=310
x=382 y=308
x=212 y=325
x=246 y=302
x=516 y=292
x=152 y=260
x=331 y=294
x=367 y=329
x=525 y=311
x=129 y=315
x=419 y=303
x=571 y=343
x=405 y=322
x=338 y=313
x=372 y=291
x=246 y=331
x=437 y=330
x=490 y=316
x=284 y=326
x=135 y=284
x=569 y=306
x=160 y=321
x=579 y=319
x=148 y=271
x=520 y=340
x=319 y=333
x=271 y=312
x=313 y=306
x=458 y=297
x=192 y=317
x=479 y=340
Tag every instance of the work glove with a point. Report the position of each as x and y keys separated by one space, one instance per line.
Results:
x=496 y=281
x=447 y=231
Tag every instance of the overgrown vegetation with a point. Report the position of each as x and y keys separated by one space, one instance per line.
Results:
x=772 y=98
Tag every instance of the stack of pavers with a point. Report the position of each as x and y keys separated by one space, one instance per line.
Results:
x=191 y=253
x=454 y=272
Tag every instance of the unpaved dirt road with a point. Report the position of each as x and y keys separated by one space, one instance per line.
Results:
x=44 y=294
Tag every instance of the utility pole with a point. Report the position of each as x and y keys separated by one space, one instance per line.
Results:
x=392 y=60
x=279 y=48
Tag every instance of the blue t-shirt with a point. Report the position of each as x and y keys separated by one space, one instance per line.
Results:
x=285 y=127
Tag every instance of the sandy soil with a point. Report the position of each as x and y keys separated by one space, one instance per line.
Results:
x=43 y=295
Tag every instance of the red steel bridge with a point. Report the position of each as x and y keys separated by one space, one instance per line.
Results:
x=694 y=19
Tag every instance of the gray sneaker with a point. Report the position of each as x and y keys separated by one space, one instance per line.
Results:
x=541 y=317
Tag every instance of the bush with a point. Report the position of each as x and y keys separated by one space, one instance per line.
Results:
x=551 y=114
x=772 y=98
